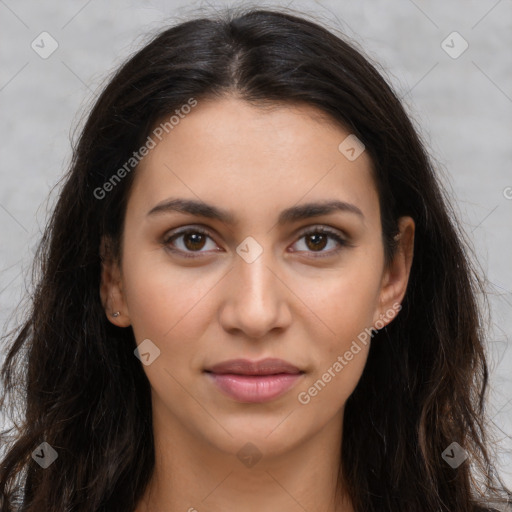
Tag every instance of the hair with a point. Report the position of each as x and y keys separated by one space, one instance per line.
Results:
x=84 y=392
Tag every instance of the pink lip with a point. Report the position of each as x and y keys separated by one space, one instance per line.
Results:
x=255 y=388
x=254 y=381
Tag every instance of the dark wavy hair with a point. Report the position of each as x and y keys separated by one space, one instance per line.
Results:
x=80 y=386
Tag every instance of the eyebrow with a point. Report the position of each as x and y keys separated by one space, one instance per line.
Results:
x=292 y=214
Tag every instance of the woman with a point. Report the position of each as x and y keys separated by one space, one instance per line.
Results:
x=252 y=295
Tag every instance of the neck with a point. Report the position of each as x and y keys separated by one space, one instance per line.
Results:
x=192 y=475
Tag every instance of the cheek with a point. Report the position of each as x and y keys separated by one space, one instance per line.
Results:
x=345 y=308
x=161 y=298
x=340 y=356
x=346 y=301
x=167 y=305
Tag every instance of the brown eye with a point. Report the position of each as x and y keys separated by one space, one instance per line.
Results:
x=316 y=240
x=194 y=241
x=189 y=241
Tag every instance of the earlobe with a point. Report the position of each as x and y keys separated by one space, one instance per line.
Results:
x=396 y=275
x=111 y=289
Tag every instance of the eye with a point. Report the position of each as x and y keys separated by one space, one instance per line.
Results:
x=188 y=241
x=193 y=239
x=317 y=239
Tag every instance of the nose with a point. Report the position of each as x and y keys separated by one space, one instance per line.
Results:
x=256 y=299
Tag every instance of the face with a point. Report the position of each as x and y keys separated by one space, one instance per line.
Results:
x=286 y=262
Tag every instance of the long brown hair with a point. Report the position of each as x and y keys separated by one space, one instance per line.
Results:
x=74 y=374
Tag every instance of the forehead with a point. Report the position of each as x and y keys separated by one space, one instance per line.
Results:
x=242 y=156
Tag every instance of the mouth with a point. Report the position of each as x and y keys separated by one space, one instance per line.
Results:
x=254 y=381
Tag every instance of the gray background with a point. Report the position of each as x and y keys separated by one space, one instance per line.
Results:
x=463 y=107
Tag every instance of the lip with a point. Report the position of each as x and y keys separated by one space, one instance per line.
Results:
x=267 y=366
x=254 y=381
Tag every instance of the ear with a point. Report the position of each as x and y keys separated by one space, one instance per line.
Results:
x=111 y=286
x=396 y=274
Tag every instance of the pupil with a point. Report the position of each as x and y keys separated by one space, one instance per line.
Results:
x=197 y=241
x=320 y=241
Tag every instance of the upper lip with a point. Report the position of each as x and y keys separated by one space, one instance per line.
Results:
x=246 y=367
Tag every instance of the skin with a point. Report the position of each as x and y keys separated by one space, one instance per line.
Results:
x=290 y=303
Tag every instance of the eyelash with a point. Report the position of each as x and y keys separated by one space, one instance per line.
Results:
x=320 y=230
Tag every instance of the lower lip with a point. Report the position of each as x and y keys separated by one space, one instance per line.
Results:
x=254 y=388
